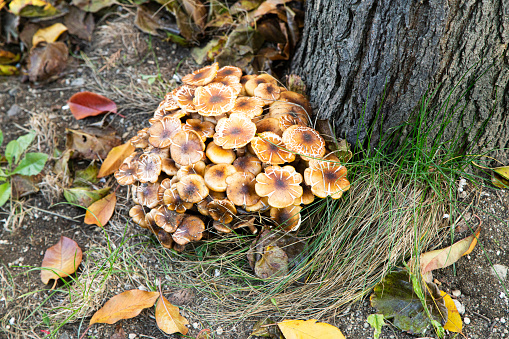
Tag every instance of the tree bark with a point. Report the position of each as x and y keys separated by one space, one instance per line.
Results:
x=361 y=56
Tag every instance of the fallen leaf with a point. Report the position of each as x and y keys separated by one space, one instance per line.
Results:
x=376 y=321
x=503 y=171
x=92 y=6
x=7 y=57
x=168 y=317
x=83 y=196
x=48 y=34
x=207 y=52
x=92 y=143
x=115 y=158
x=61 y=260
x=268 y=7
x=499 y=181
x=87 y=176
x=8 y=70
x=47 y=61
x=88 y=104
x=197 y=11
x=22 y=186
x=27 y=34
x=100 y=212
x=309 y=329
x=244 y=6
x=125 y=305
x=273 y=263
x=32 y=8
x=80 y=23
x=454 y=322
x=242 y=44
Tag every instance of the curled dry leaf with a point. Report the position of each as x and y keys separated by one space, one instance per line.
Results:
x=48 y=34
x=80 y=23
x=84 y=196
x=454 y=322
x=92 y=5
x=92 y=144
x=45 y=62
x=168 y=317
x=307 y=329
x=88 y=104
x=125 y=305
x=115 y=158
x=32 y=8
x=61 y=260
x=100 y=212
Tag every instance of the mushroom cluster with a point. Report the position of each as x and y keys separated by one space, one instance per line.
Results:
x=223 y=146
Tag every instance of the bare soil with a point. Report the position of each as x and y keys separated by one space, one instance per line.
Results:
x=26 y=234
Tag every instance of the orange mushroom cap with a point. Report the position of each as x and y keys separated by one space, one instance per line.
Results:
x=304 y=141
x=187 y=148
x=326 y=178
x=149 y=168
x=287 y=218
x=241 y=189
x=268 y=92
x=204 y=129
x=248 y=163
x=174 y=202
x=147 y=194
x=269 y=125
x=232 y=82
x=140 y=140
x=202 y=76
x=184 y=96
x=197 y=168
x=270 y=149
x=227 y=71
x=214 y=99
x=251 y=84
x=190 y=229
x=167 y=219
x=126 y=174
x=288 y=114
x=280 y=184
x=215 y=176
x=137 y=213
x=192 y=188
x=219 y=155
x=222 y=210
x=235 y=131
x=162 y=131
x=250 y=106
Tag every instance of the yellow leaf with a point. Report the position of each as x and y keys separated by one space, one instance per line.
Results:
x=32 y=8
x=503 y=171
x=61 y=259
x=125 y=305
x=48 y=34
x=8 y=70
x=309 y=329
x=454 y=322
x=115 y=158
x=100 y=212
x=168 y=317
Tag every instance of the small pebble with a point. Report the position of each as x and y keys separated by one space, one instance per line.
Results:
x=219 y=330
x=366 y=325
x=466 y=320
x=12 y=320
x=459 y=306
x=456 y=293
x=195 y=325
x=499 y=271
x=502 y=320
x=502 y=295
x=132 y=336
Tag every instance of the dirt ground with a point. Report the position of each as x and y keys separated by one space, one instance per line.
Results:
x=124 y=65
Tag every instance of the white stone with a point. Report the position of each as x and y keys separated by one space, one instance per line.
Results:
x=499 y=271
x=502 y=320
x=195 y=325
x=219 y=330
x=502 y=295
x=132 y=336
x=459 y=306
x=466 y=320
x=12 y=320
x=217 y=273
x=456 y=293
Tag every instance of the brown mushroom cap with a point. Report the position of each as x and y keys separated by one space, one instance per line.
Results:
x=140 y=140
x=227 y=71
x=241 y=189
x=204 y=129
x=235 y=131
x=202 y=76
x=296 y=98
x=247 y=224
x=219 y=155
x=174 y=202
x=269 y=125
x=192 y=188
x=270 y=149
x=217 y=195
x=326 y=178
x=149 y=168
x=173 y=114
x=190 y=229
x=269 y=92
x=197 y=168
x=163 y=186
x=232 y=82
x=202 y=207
x=214 y=99
x=184 y=96
x=250 y=106
x=287 y=218
x=288 y=114
x=148 y=195
x=126 y=174
x=248 y=163
x=222 y=210
x=307 y=196
x=162 y=131
x=251 y=84
x=304 y=141
x=167 y=219
x=168 y=166
x=165 y=239
x=137 y=213
x=215 y=176
x=280 y=184
x=220 y=227
x=261 y=206
x=163 y=153
x=243 y=80
x=187 y=148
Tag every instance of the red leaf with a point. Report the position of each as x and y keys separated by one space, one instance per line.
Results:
x=61 y=260
x=88 y=104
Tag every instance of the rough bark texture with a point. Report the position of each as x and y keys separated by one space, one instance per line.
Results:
x=352 y=48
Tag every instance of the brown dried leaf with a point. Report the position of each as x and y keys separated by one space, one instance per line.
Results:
x=268 y=7
x=47 y=61
x=88 y=104
x=22 y=185
x=92 y=144
x=115 y=158
x=100 y=212
x=168 y=317
x=80 y=23
x=197 y=11
x=61 y=260
x=92 y=5
x=125 y=305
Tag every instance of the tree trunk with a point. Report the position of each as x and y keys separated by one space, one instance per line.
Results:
x=357 y=57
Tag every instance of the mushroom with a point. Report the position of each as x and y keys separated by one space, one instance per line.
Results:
x=204 y=129
x=126 y=174
x=184 y=96
x=296 y=98
x=215 y=176
x=222 y=210
x=202 y=76
x=219 y=155
x=220 y=227
x=192 y=188
x=217 y=195
x=250 y=106
x=251 y=84
x=149 y=168
x=140 y=140
x=227 y=71
x=235 y=131
x=232 y=82
x=280 y=184
x=269 y=92
x=243 y=80
x=247 y=223
x=187 y=148
x=202 y=207
x=162 y=131
x=173 y=114
x=248 y=163
x=288 y=218
x=165 y=239
x=137 y=213
x=214 y=99
x=190 y=229
x=163 y=186
x=163 y=153
x=270 y=149
x=326 y=178
x=241 y=189
x=197 y=168
x=167 y=219
x=173 y=201
x=168 y=166
x=147 y=194
x=261 y=206
x=288 y=114
x=269 y=125
x=304 y=141
x=307 y=196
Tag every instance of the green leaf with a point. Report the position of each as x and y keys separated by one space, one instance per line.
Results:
x=5 y=193
x=25 y=140
x=376 y=321
x=31 y=164
x=12 y=151
x=83 y=196
x=1 y=137
x=87 y=175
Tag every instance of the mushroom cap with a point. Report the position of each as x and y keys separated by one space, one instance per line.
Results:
x=215 y=176
x=166 y=106
x=197 y=168
x=296 y=98
x=149 y=168
x=326 y=178
x=219 y=155
x=192 y=188
x=251 y=84
x=202 y=207
x=202 y=76
x=287 y=218
x=126 y=174
x=167 y=219
x=190 y=229
x=204 y=129
x=184 y=96
x=214 y=99
x=163 y=153
x=270 y=149
x=147 y=194
x=269 y=125
x=133 y=159
x=140 y=140
x=261 y=206
x=163 y=186
x=247 y=223
x=172 y=114
x=232 y=82
x=241 y=189
x=304 y=141
x=162 y=131
x=269 y=92
x=250 y=106
x=174 y=202
x=137 y=213
x=168 y=166
x=220 y=227
x=288 y=114
x=235 y=131
x=280 y=184
x=217 y=195
x=187 y=148
x=307 y=196
x=248 y=163
x=222 y=210
x=164 y=238
x=227 y=71
x=243 y=80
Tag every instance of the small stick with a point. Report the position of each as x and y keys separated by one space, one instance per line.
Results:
x=482 y=316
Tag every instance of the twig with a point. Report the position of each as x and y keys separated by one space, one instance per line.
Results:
x=482 y=316
x=52 y=213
